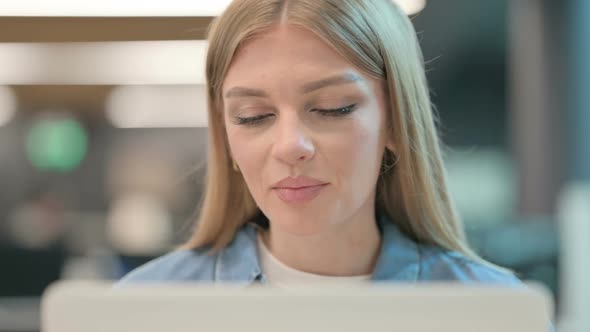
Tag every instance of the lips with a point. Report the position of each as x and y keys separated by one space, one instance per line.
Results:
x=299 y=189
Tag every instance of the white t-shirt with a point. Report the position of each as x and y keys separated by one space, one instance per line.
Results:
x=280 y=275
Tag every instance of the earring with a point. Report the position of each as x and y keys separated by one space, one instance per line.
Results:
x=386 y=166
x=235 y=166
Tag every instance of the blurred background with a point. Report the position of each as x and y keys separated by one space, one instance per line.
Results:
x=103 y=136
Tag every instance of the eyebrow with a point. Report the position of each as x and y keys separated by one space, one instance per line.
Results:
x=306 y=88
x=333 y=80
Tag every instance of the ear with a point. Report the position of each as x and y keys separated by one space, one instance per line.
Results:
x=390 y=146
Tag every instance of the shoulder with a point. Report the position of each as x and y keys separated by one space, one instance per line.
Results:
x=437 y=264
x=179 y=265
x=235 y=262
x=414 y=261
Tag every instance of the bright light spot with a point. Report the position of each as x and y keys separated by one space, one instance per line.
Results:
x=139 y=224
x=411 y=7
x=56 y=144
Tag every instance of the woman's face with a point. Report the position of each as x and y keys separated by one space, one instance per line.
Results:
x=306 y=129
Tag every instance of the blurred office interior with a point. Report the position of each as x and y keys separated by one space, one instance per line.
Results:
x=103 y=137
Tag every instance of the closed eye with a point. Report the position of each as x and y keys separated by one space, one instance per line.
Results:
x=259 y=119
x=252 y=120
x=335 y=111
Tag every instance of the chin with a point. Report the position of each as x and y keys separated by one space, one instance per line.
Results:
x=300 y=224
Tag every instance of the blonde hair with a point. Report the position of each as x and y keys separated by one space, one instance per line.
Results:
x=377 y=37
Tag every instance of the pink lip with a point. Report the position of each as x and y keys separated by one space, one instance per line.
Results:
x=299 y=189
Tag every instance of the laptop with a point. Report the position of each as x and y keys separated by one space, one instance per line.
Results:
x=100 y=307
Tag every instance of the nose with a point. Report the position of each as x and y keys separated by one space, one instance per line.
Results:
x=293 y=144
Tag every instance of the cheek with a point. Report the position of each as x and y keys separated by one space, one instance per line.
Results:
x=361 y=143
x=249 y=153
x=357 y=159
x=360 y=149
x=242 y=147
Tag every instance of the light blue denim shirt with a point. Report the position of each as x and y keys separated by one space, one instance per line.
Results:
x=400 y=259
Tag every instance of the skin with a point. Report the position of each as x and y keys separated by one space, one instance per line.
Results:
x=277 y=79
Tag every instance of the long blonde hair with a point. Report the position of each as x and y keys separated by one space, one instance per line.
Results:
x=377 y=37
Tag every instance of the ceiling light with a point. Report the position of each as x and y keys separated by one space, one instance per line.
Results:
x=113 y=8
x=130 y=62
x=153 y=8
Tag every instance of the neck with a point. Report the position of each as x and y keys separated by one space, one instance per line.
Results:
x=348 y=249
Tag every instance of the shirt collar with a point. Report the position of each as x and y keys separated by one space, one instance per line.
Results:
x=398 y=259
x=238 y=262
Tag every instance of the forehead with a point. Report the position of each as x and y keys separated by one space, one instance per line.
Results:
x=285 y=51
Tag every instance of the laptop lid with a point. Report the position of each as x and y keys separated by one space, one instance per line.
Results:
x=98 y=307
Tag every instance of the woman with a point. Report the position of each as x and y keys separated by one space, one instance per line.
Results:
x=324 y=162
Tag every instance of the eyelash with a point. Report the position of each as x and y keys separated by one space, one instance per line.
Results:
x=258 y=119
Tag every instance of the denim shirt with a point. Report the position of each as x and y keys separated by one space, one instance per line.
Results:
x=400 y=259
